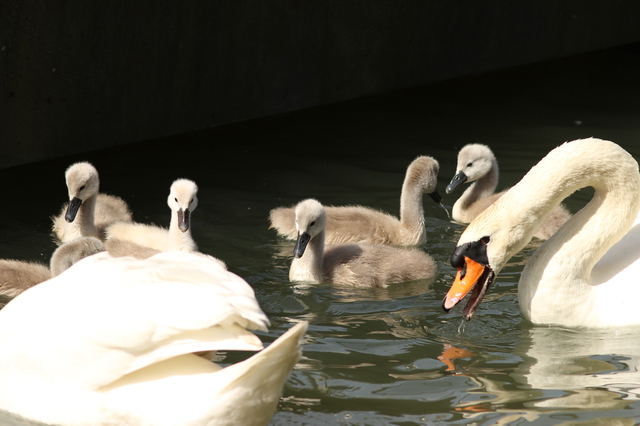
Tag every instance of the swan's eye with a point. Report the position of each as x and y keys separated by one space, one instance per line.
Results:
x=313 y=223
x=191 y=202
x=485 y=240
x=82 y=188
x=470 y=164
x=176 y=199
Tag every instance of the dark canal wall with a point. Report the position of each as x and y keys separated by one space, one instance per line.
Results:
x=82 y=75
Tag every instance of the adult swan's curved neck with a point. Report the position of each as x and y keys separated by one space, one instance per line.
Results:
x=557 y=286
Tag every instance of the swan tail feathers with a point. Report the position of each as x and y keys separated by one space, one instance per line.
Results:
x=269 y=368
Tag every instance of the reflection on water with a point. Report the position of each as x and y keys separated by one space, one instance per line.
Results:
x=385 y=356
x=563 y=371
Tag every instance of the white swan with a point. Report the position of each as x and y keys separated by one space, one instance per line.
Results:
x=352 y=264
x=116 y=341
x=18 y=275
x=141 y=240
x=88 y=212
x=365 y=225
x=569 y=280
x=478 y=166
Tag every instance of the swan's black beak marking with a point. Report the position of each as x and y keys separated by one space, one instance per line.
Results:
x=72 y=209
x=301 y=244
x=456 y=181
x=474 y=272
x=184 y=219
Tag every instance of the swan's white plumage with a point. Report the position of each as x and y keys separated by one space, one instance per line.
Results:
x=116 y=340
x=586 y=273
x=142 y=240
x=477 y=165
x=95 y=211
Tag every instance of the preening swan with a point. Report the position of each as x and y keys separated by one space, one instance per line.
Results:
x=353 y=264
x=584 y=275
x=16 y=275
x=116 y=345
x=478 y=166
x=141 y=240
x=88 y=212
x=366 y=225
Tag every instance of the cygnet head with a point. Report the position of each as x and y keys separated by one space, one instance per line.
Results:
x=474 y=161
x=310 y=221
x=183 y=200
x=423 y=173
x=82 y=183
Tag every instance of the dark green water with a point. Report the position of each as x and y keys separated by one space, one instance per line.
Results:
x=371 y=356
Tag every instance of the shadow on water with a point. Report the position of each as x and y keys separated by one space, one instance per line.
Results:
x=384 y=356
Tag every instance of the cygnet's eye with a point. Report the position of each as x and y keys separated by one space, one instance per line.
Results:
x=191 y=202
x=470 y=164
x=313 y=223
x=176 y=199
x=82 y=187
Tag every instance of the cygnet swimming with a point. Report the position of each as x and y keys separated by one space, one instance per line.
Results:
x=478 y=166
x=366 y=225
x=352 y=264
x=88 y=212
x=142 y=240
x=17 y=275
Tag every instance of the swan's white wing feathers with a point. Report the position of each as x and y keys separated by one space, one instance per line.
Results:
x=178 y=300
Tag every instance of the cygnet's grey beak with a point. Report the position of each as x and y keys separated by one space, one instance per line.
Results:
x=301 y=244
x=456 y=181
x=72 y=209
x=184 y=219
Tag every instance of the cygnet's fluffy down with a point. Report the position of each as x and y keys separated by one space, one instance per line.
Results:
x=478 y=166
x=17 y=276
x=352 y=264
x=365 y=225
x=142 y=240
x=88 y=212
x=70 y=253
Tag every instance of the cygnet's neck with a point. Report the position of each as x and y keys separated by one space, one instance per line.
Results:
x=310 y=267
x=85 y=218
x=412 y=212
x=178 y=240
x=481 y=188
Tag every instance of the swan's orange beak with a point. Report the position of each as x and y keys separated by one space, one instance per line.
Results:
x=467 y=276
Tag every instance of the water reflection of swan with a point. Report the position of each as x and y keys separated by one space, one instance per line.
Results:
x=562 y=283
x=563 y=370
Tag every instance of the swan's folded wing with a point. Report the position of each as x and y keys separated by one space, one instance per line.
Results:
x=221 y=338
x=109 y=315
